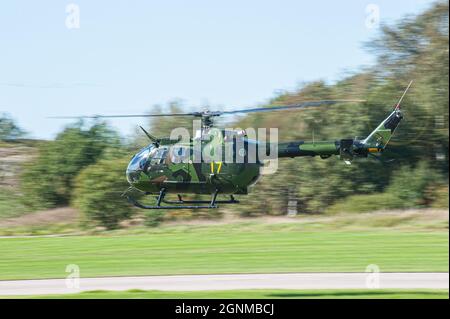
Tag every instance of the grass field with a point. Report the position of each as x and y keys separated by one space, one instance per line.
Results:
x=229 y=248
x=259 y=294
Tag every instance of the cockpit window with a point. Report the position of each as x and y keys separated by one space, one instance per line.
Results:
x=140 y=159
x=159 y=156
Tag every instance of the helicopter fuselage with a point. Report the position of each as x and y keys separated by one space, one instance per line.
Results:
x=178 y=168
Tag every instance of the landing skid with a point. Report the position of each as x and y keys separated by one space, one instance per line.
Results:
x=181 y=203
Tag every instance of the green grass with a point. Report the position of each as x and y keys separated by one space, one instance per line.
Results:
x=41 y=230
x=259 y=294
x=230 y=248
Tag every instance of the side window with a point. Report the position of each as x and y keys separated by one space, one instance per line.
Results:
x=159 y=157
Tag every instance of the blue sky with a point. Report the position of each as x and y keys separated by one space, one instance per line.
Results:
x=127 y=56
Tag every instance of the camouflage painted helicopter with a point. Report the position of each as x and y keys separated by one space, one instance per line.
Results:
x=170 y=166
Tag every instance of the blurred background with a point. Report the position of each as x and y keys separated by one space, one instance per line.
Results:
x=47 y=164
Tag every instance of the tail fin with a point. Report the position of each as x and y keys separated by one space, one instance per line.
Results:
x=381 y=136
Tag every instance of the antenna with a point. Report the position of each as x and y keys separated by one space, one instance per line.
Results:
x=397 y=106
x=150 y=137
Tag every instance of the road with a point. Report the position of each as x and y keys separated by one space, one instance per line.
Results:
x=228 y=282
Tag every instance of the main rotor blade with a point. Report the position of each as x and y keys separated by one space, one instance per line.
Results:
x=124 y=116
x=287 y=107
x=217 y=113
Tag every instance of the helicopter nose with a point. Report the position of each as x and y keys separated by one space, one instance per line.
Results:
x=133 y=176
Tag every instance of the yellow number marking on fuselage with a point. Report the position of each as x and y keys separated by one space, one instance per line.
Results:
x=219 y=167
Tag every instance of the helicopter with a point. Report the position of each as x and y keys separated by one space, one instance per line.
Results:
x=174 y=166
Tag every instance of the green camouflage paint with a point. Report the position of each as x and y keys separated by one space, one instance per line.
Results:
x=199 y=176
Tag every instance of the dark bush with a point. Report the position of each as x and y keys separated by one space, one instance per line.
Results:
x=98 y=190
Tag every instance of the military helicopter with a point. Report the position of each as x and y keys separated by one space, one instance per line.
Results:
x=172 y=166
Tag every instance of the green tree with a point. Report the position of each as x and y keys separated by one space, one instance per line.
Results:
x=98 y=190
x=412 y=185
x=47 y=181
x=9 y=129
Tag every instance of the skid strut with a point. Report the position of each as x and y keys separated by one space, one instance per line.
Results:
x=180 y=200
x=183 y=204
